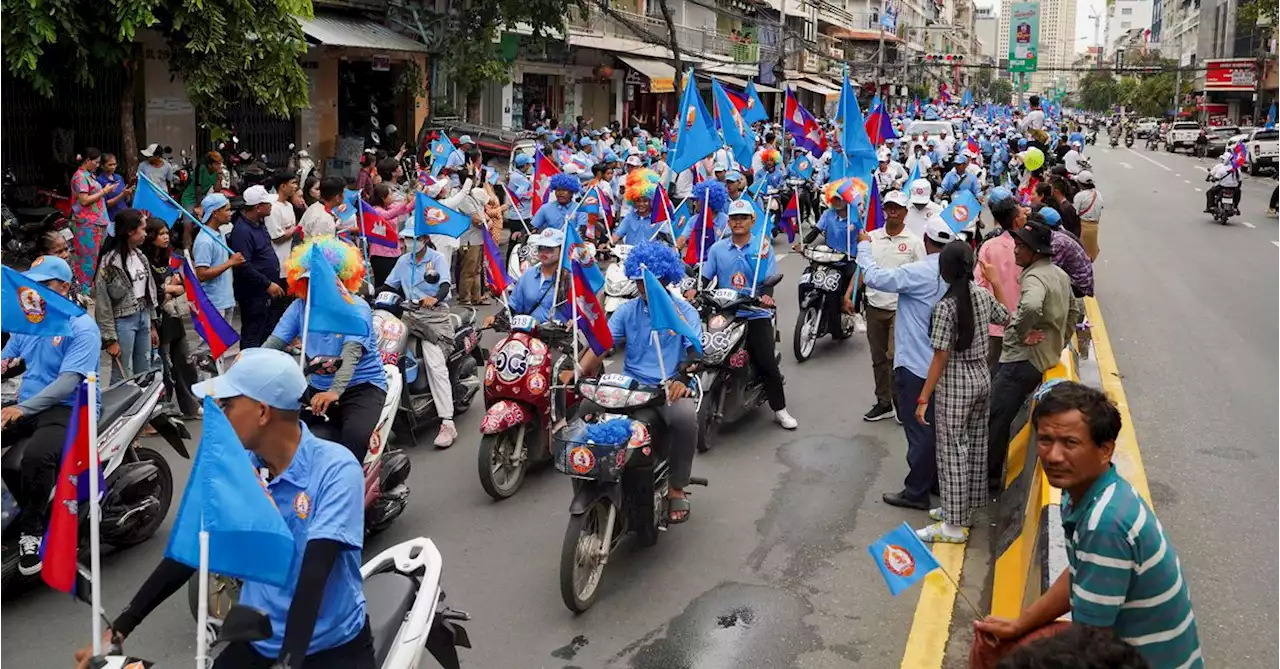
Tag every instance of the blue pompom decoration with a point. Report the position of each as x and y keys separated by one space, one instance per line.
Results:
x=716 y=195
x=612 y=432
x=658 y=258
x=564 y=181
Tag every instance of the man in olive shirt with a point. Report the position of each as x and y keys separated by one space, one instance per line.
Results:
x=1034 y=338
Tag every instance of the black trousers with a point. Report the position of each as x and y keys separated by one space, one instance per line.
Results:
x=1012 y=384
x=354 y=654
x=1275 y=197
x=760 y=346
x=1210 y=194
x=46 y=433
x=258 y=318
x=179 y=373
x=922 y=446
x=382 y=266
x=351 y=419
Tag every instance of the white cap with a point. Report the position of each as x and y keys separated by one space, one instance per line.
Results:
x=937 y=229
x=921 y=191
x=151 y=150
x=897 y=197
x=256 y=195
x=548 y=238
x=635 y=161
x=741 y=208
x=1084 y=177
x=883 y=154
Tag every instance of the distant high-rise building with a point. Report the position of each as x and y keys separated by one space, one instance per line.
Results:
x=987 y=27
x=1122 y=17
x=1057 y=40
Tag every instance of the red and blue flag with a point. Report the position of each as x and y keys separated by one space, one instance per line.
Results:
x=70 y=490
x=702 y=236
x=498 y=278
x=875 y=213
x=585 y=310
x=1239 y=156
x=803 y=127
x=377 y=229
x=209 y=323
x=791 y=216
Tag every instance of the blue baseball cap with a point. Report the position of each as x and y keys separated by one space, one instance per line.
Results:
x=211 y=203
x=733 y=176
x=48 y=268
x=586 y=141
x=262 y=374
x=998 y=194
x=465 y=139
x=1050 y=216
x=540 y=131
x=523 y=159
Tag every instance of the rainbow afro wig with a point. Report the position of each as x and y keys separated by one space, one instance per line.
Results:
x=771 y=154
x=656 y=257
x=563 y=181
x=714 y=193
x=641 y=183
x=344 y=258
x=850 y=190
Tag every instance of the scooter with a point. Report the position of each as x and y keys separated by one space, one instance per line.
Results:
x=1115 y=140
x=401 y=348
x=731 y=386
x=820 y=301
x=618 y=289
x=404 y=602
x=520 y=383
x=1128 y=141
x=138 y=482
x=301 y=163
x=615 y=452
x=1223 y=209
x=1091 y=137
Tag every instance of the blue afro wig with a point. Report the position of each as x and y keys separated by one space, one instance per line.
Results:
x=564 y=181
x=715 y=194
x=612 y=432
x=656 y=257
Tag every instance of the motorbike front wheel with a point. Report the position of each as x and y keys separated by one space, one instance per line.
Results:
x=806 y=333
x=501 y=474
x=582 y=557
x=163 y=493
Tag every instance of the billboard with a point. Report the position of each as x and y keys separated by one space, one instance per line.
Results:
x=1024 y=36
x=1230 y=74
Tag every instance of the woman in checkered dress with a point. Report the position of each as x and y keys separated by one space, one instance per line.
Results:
x=960 y=374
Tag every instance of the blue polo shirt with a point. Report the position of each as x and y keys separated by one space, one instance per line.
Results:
x=919 y=287
x=731 y=266
x=630 y=323
x=837 y=231
x=553 y=215
x=636 y=228
x=409 y=275
x=206 y=252
x=368 y=370
x=534 y=294
x=321 y=496
x=262 y=265
x=48 y=357
x=954 y=185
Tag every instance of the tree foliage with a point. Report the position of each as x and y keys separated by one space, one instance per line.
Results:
x=1098 y=91
x=1000 y=91
x=224 y=51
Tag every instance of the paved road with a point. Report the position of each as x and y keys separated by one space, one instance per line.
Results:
x=1191 y=309
x=770 y=572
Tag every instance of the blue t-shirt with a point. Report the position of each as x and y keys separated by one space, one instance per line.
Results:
x=731 y=266
x=630 y=323
x=837 y=231
x=205 y=252
x=410 y=275
x=321 y=496
x=534 y=294
x=953 y=184
x=553 y=215
x=772 y=178
x=48 y=357
x=122 y=204
x=368 y=370
x=636 y=228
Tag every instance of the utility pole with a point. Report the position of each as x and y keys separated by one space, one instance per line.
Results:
x=1177 y=87
x=880 y=64
x=780 y=61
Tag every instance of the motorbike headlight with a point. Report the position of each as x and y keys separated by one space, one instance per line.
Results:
x=611 y=397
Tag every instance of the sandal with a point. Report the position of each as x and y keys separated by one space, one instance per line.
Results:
x=933 y=534
x=678 y=510
x=936 y=514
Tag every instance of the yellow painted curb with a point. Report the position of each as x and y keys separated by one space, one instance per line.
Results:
x=1127 y=458
x=931 y=626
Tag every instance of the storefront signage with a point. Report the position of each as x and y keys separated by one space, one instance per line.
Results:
x=381 y=62
x=1230 y=74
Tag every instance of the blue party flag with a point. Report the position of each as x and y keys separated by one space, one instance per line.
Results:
x=962 y=212
x=755 y=110
x=248 y=538
x=30 y=307
x=663 y=314
x=802 y=166
x=696 y=136
x=737 y=134
x=156 y=203
x=332 y=308
x=902 y=558
x=441 y=149
x=858 y=151
x=432 y=218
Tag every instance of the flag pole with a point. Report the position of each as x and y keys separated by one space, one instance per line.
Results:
x=202 y=606
x=702 y=239
x=95 y=514
x=306 y=325
x=760 y=250
x=573 y=306
x=217 y=240
x=653 y=334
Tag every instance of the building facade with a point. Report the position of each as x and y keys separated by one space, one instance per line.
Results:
x=1122 y=17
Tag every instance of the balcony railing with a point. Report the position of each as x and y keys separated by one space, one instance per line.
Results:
x=697 y=39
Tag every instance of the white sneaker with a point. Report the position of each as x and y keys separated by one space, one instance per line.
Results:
x=859 y=323
x=785 y=420
x=447 y=434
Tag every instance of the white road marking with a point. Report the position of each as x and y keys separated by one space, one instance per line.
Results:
x=1126 y=165
x=1153 y=162
x=1198 y=190
x=1277 y=244
x=1247 y=224
x=1177 y=175
x=1186 y=181
x=783 y=256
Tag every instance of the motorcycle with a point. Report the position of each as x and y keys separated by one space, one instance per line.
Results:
x=820 y=301
x=520 y=381
x=300 y=162
x=401 y=348
x=404 y=602
x=22 y=227
x=1115 y=140
x=138 y=482
x=1153 y=142
x=615 y=451
x=1128 y=141
x=521 y=256
x=1091 y=137
x=1223 y=209
x=618 y=289
x=731 y=386
x=386 y=468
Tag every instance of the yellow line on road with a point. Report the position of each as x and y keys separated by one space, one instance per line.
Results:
x=1127 y=457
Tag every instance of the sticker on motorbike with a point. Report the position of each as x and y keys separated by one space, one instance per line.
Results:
x=522 y=323
x=582 y=460
x=537 y=383
x=512 y=360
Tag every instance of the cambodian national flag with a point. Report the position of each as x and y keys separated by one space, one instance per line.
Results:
x=543 y=169
x=875 y=213
x=660 y=212
x=803 y=127
x=210 y=324
x=377 y=229
x=573 y=253
x=878 y=125
x=497 y=272
x=702 y=236
x=973 y=147
x=1239 y=156
x=70 y=490
x=738 y=99
x=943 y=95
x=586 y=312
x=790 y=216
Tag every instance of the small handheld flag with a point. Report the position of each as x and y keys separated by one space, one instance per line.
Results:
x=206 y=318
x=803 y=127
x=962 y=212
x=441 y=149
x=663 y=314
x=498 y=277
x=790 y=216
x=875 y=213
x=71 y=489
x=696 y=136
x=150 y=199
x=377 y=229
x=332 y=308
x=29 y=307
x=902 y=558
x=802 y=166
x=432 y=218
x=585 y=310
x=543 y=169
x=573 y=252
x=754 y=110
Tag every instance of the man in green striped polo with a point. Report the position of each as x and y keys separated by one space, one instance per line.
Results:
x=1123 y=574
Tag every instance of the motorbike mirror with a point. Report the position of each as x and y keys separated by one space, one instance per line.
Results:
x=432 y=277
x=168 y=149
x=183 y=153
x=291 y=145
x=243 y=623
x=772 y=281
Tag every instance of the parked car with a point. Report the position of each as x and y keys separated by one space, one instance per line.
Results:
x=1220 y=138
x=1263 y=149
x=497 y=146
x=1182 y=135
x=1147 y=126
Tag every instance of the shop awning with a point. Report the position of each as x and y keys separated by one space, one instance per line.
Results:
x=331 y=30
x=662 y=77
x=812 y=87
x=742 y=83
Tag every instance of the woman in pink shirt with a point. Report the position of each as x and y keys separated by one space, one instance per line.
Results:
x=393 y=207
x=998 y=251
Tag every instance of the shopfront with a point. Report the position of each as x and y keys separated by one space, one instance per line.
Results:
x=1229 y=87
x=649 y=92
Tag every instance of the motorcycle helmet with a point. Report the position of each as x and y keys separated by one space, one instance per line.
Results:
x=344 y=258
x=656 y=257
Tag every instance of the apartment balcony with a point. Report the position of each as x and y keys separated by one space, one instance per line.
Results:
x=698 y=40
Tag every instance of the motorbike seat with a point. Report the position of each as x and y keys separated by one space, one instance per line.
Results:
x=388 y=596
x=464 y=317
x=116 y=401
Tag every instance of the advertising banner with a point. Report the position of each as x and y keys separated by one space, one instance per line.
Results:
x=1024 y=36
